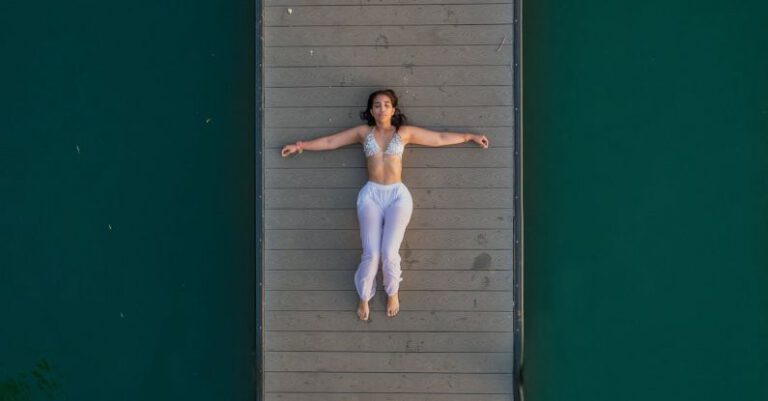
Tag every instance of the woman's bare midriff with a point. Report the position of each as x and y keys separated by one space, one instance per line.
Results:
x=384 y=169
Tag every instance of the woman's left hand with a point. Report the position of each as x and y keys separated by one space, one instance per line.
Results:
x=481 y=140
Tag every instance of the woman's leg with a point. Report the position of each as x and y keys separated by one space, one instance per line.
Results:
x=396 y=219
x=370 y=218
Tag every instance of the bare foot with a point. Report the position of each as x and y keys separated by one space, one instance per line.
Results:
x=393 y=305
x=362 y=310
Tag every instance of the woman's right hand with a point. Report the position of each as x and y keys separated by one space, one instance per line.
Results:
x=289 y=150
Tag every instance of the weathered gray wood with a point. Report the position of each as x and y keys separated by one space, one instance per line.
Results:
x=421 y=116
x=385 y=396
x=409 y=97
x=388 y=362
x=481 y=280
x=276 y=138
x=383 y=36
x=455 y=383
x=412 y=177
x=437 y=198
x=442 y=259
x=353 y=156
x=409 y=321
x=310 y=198
x=389 y=15
x=392 y=56
x=297 y=280
x=398 y=76
x=374 y=2
x=389 y=342
x=452 y=67
x=414 y=239
x=485 y=301
x=421 y=219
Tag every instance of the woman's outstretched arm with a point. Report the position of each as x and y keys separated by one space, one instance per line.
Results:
x=421 y=136
x=328 y=142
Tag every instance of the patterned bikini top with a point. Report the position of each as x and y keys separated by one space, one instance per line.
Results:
x=395 y=147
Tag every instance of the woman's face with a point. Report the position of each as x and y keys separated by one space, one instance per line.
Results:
x=382 y=109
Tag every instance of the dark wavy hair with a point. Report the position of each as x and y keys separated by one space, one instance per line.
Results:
x=398 y=119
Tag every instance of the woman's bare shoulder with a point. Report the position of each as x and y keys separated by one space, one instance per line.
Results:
x=361 y=131
x=406 y=131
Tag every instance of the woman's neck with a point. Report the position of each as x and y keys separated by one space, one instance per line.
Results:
x=383 y=127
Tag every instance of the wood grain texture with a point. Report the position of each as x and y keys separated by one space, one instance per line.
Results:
x=385 y=36
x=414 y=342
x=346 y=300
x=411 y=96
x=446 y=177
x=389 y=382
x=392 y=56
x=414 y=239
x=385 y=397
x=298 y=280
x=388 y=15
x=412 y=259
x=353 y=156
x=300 y=117
x=374 y=2
x=276 y=138
x=388 y=362
x=394 y=76
x=421 y=219
x=450 y=62
x=408 y=321
x=434 y=198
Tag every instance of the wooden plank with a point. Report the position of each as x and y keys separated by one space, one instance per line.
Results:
x=414 y=239
x=385 y=396
x=437 y=198
x=334 y=219
x=421 y=156
x=372 y=2
x=455 y=383
x=299 y=117
x=389 y=342
x=387 y=76
x=392 y=56
x=444 y=259
x=383 y=36
x=445 y=177
x=276 y=138
x=409 y=321
x=453 y=280
x=388 y=362
x=409 y=96
x=485 y=301
x=401 y=14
